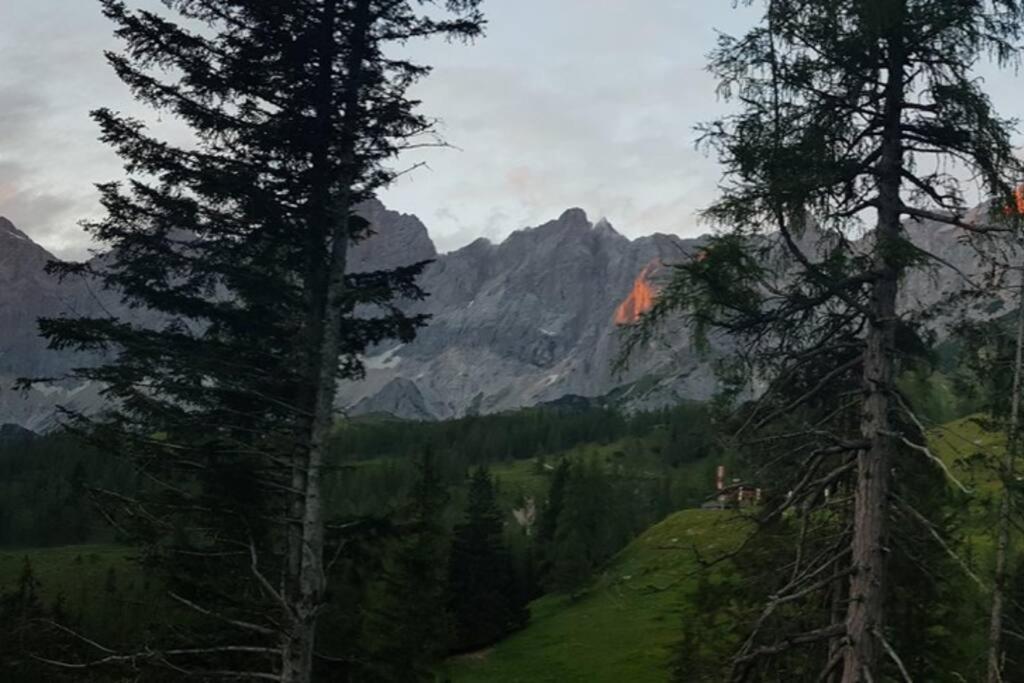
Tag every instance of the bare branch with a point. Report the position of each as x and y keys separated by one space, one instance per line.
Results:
x=893 y=656
x=942 y=543
x=248 y=626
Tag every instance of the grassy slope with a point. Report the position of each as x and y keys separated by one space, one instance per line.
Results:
x=972 y=455
x=624 y=628
x=965 y=445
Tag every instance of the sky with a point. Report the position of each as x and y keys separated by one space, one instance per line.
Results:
x=588 y=103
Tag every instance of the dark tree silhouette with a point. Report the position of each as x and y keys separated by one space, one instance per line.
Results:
x=408 y=629
x=484 y=601
x=236 y=243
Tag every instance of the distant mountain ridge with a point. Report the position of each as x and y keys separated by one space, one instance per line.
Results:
x=523 y=322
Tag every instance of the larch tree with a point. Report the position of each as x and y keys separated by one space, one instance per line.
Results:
x=236 y=243
x=850 y=115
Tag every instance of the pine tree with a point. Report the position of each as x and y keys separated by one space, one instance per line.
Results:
x=845 y=108
x=483 y=599
x=408 y=628
x=236 y=243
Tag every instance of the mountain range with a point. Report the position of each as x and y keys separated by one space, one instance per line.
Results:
x=530 y=320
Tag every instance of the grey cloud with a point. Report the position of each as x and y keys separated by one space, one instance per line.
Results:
x=44 y=212
x=54 y=74
x=535 y=148
x=21 y=110
x=572 y=110
x=586 y=103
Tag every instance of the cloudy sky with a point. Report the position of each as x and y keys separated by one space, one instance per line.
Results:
x=586 y=103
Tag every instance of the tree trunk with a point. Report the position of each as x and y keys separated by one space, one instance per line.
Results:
x=865 y=617
x=865 y=613
x=306 y=545
x=995 y=627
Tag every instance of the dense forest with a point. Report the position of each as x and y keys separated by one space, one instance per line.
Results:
x=464 y=522
x=46 y=480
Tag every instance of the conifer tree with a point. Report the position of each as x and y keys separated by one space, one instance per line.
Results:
x=847 y=114
x=585 y=535
x=235 y=243
x=571 y=561
x=408 y=629
x=554 y=503
x=484 y=601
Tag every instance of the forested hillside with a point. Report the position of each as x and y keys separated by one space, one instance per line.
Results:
x=615 y=584
x=540 y=500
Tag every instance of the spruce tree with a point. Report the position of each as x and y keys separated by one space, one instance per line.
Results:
x=483 y=598
x=408 y=628
x=848 y=114
x=571 y=562
x=236 y=244
x=588 y=529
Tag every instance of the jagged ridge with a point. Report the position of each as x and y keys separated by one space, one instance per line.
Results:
x=513 y=324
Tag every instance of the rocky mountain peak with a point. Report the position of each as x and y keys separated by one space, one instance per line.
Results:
x=398 y=239
x=21 y=262
x=574 y=217
x=571 y=240
x=8 y=231
x=604 y=227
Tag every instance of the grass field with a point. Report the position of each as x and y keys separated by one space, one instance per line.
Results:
x=67 y=569
x=103 y=591
x=625 y=626
x=971 y=453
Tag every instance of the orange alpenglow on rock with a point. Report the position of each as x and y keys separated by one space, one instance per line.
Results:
x=1017 y=207
x=640 y=299
x=1019 y=195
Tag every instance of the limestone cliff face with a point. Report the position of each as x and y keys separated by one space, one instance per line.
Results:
x=26 y=292
x=527 y=321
